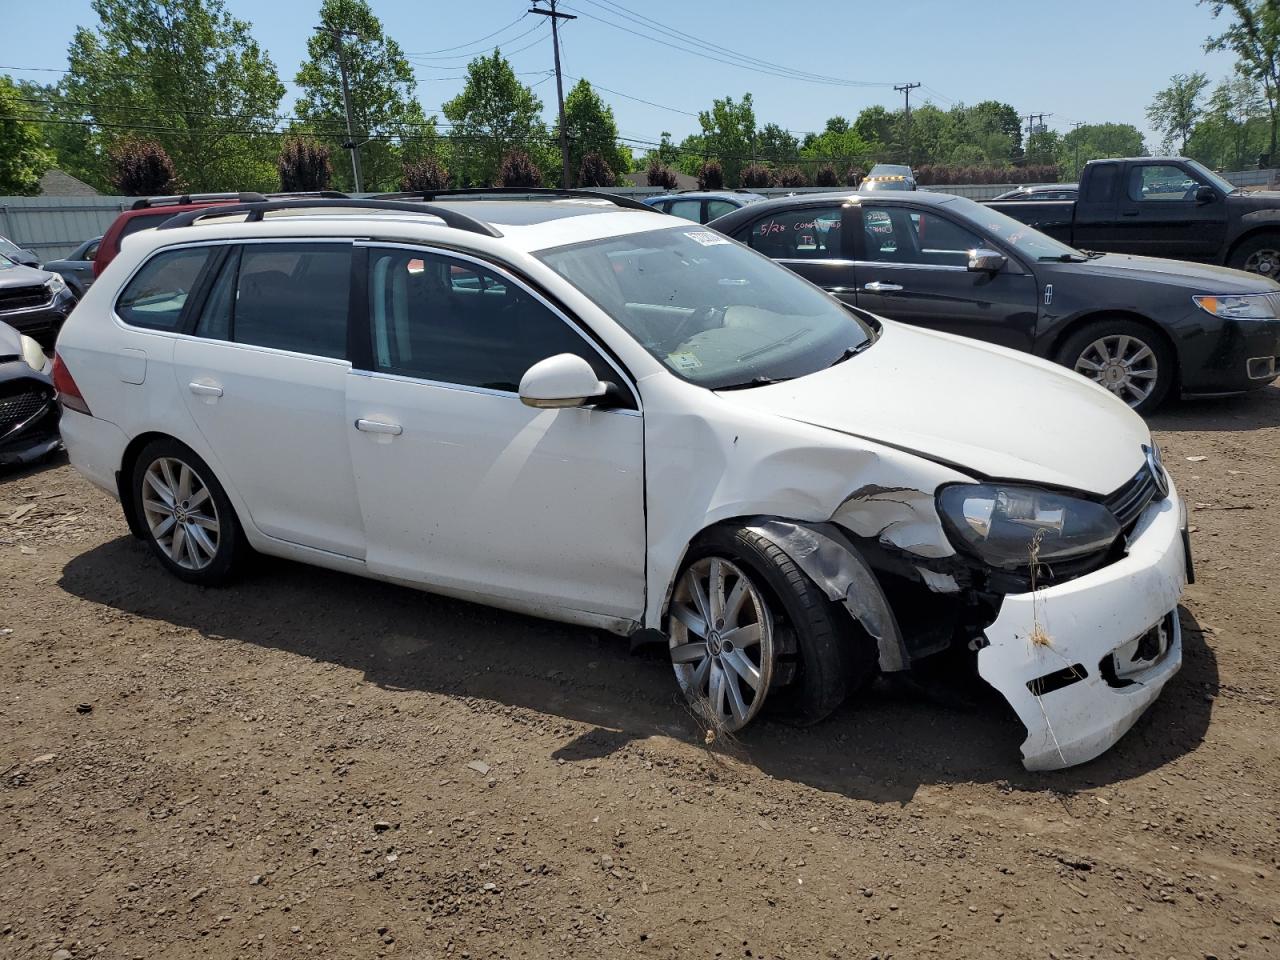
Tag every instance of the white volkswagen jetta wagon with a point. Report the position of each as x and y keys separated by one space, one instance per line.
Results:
x=586 y=411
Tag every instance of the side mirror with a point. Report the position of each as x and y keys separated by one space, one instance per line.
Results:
x=1205 y=194
x=565 y=380
x=986 y=260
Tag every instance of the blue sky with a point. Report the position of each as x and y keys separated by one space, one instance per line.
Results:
x=1088 y=60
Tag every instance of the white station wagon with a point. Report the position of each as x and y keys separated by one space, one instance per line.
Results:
x=585 y=410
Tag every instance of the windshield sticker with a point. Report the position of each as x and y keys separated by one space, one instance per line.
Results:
x=684 y=361
x=706 y=238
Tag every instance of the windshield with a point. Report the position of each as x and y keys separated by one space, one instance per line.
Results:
x=8 y=247
x=1226 y=186
x=1027 y=241
x=712 y=311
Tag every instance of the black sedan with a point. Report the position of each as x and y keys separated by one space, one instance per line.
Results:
x=28 y=410
x=33 y=301
x=1141 y=327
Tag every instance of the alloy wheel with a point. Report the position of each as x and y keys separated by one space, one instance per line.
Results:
x=721 y=642
x=1123 y=364
x=1265 y=262
x=180 y=513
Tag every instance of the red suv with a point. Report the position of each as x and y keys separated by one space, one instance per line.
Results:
x=150 y=212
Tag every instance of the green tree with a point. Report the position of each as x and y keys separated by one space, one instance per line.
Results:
x=776 y=146
x=1254 y=36
x=23 y=155
x=496 y=113
x=1233 y=129
x=383 y=105
x=188 y=75
x=1096 y=141
x=592 y=129
x=1176 y=108
x=877 y=126
x=67 y=132
x=1043 y=146
x=728 y=134
x=838 y=146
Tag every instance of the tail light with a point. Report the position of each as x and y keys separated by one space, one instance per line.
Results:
x=69 y=394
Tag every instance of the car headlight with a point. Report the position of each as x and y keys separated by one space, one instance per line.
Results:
x=33 y=353
x=1001 y=524
x=1254 y=306
x=55 y=285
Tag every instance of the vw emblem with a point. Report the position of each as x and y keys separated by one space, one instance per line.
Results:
x=1156 y=468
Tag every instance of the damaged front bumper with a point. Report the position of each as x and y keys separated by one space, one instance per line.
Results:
x=1080 y=662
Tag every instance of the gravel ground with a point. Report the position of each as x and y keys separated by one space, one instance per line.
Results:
x=309 y=764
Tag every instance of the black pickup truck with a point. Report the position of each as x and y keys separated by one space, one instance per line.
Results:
x=1162 y=207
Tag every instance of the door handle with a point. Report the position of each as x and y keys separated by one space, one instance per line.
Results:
x=204 y=389
x=1129 y=213
x=875 y=286
x=378 y=426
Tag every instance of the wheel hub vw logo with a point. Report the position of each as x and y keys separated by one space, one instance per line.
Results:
x=1156 y=468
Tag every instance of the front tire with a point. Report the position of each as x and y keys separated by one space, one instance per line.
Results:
x=1130 y=360
x=746 y=624
x=1260 y=255
x=185 y=515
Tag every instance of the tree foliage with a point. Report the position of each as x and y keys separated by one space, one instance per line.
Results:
x=1253 y=35
x=711 y=176
x=425 y=174
x=141 y=168
x=592 y=130
x=304 y=165
x=384 y=109
x=1176 y=109
x=518 y=170
x=1095 y=141
x=495 y=113
x=1234 y=128
x=186 y=74
x=755 y=175
x=728 y=134
x=658 y=174
x=595 y=172
x=23 y=155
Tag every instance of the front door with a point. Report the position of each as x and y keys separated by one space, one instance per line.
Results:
x=913 y=267
x=461 y=485
x=1161 y=217
x=264 y=379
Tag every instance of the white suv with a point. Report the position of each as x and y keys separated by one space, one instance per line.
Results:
x=589 y=411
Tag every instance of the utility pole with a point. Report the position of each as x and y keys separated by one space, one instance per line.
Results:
x=1031 y=129
x=556 y=16
x=905 y=89
x=1077 y=125
x=351 y=145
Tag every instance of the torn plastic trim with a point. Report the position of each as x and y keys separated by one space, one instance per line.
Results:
x=825 y=556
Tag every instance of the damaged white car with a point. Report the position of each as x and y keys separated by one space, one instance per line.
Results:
x=584 y=410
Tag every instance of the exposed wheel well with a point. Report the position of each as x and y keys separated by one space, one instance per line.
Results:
x=1080 y=323
x=127 y=462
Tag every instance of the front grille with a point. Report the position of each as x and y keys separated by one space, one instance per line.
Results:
x=17 y=408
x=24 y=298
x=1129 y=501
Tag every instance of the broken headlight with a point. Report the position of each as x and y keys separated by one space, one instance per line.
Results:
x=1016 y=528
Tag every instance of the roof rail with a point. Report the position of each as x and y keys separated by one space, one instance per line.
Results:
x=532 y=193
x=255 y=209
x=244 y=197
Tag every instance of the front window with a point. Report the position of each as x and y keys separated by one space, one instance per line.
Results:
x=710 y=310
x=899 y=235
x=1029 y=242
x=1161 y=182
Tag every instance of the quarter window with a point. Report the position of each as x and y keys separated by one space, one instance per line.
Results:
x=451 y=321
x=812 y=233
x=288 y=296
x=156 y=297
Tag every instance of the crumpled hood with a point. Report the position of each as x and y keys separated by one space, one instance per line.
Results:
x=984 y=409
x=1195 y=277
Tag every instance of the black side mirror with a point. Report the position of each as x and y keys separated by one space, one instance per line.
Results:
x=986 y=260
x=1205 y=194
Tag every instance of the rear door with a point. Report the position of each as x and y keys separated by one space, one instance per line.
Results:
x=264 y=378
x=811 y=241
x=913 y=266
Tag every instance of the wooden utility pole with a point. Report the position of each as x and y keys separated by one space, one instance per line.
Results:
x=556 y=16
x=351 y=144
x=905 y=89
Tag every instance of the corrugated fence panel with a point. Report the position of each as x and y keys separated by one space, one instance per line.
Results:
x=52 y=227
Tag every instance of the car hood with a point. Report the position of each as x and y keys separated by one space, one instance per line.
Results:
x=986 y=410
x=1194 y=277
x=16 y=275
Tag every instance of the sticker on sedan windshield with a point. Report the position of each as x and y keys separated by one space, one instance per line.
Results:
x=684 y=361
x=706 y=238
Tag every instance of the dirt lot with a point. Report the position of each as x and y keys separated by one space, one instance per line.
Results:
x=308 y=764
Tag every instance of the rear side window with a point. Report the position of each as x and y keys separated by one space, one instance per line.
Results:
x=145 y=221
x=1103 y=182
x=812 y=233
x=718 y=208
x=155 y=297
x=288 y=296
x=686 y=209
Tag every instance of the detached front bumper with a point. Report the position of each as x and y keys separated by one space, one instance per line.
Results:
x=1080 y=662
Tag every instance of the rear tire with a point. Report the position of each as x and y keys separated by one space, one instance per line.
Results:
x=1132 y=361
x=815 y=655
x=185 y=515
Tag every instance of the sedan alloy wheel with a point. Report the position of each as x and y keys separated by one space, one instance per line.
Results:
x=1123 y=364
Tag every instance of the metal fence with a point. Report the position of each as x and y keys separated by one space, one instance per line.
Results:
x=54 y=226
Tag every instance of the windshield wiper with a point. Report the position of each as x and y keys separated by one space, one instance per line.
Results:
x=755 y=382
x=850 y=352
x=1063 y=258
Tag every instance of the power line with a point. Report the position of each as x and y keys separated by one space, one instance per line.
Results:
x=476 y=53
x=470 y=43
